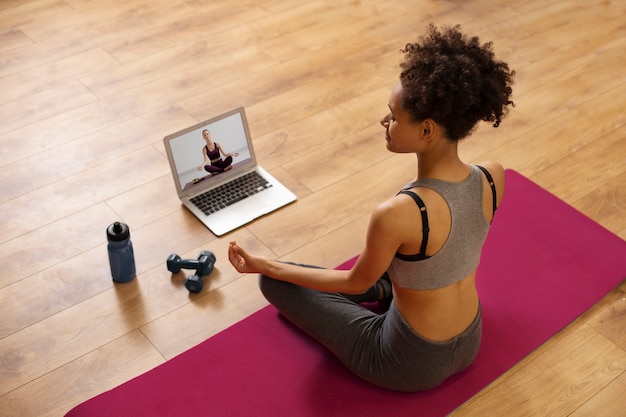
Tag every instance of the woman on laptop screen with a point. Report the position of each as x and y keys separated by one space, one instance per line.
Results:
x=423 y=245
x=212 y=156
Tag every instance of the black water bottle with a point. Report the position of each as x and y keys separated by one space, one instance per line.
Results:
x=121 y=256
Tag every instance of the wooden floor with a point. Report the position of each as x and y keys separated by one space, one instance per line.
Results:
x=88 y=88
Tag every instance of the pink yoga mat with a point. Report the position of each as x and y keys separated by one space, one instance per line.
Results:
x=543 y=265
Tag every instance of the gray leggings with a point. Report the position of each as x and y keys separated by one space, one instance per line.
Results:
x=379 y=348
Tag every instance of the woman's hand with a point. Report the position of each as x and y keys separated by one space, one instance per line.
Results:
x=242 y=261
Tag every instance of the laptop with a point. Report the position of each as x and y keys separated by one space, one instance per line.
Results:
x=217 y=176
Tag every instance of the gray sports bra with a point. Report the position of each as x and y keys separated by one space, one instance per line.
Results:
x=460 y=254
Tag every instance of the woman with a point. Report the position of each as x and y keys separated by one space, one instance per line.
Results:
x=425 y=242
x=211 y=152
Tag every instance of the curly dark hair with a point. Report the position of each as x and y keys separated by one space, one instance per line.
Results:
x=455 y=81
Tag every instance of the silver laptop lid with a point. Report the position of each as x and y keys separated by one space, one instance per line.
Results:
x=185 y=153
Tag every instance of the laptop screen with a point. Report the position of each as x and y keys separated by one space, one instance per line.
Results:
x=209 y=152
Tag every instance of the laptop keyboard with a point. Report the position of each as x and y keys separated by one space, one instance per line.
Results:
x=230 y=193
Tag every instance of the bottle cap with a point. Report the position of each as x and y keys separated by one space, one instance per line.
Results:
x=117 y=232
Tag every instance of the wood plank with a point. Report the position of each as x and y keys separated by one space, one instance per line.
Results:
x=44 y=52
x=42 y=105
x=178 y=29
x=84 y=327
x=334 y=248
x=13 y=38
x=85 y=153
x=81 y=191
x=332 y=162
x=608 y=156
x=611 y=400
x=572 y=372
x=16 y=13
x=53 y=75
x=295 y=141
x=32 y=139
x=530 y=148
x=166 y=62
x=53 y=289
x=610 y=321
x=46 y=245
x=57 y=392
x=102 y=18
x=606 y=205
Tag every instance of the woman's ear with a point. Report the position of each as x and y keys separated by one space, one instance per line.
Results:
x=429 y=129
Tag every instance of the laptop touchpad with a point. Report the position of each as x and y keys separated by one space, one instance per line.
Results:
x=251 y=207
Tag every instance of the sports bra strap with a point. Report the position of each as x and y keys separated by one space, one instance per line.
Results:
x=492 y=185
x=425 y=228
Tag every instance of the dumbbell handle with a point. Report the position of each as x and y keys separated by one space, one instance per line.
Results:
x=175 y=263
x=203 y=265
x=189 y=263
